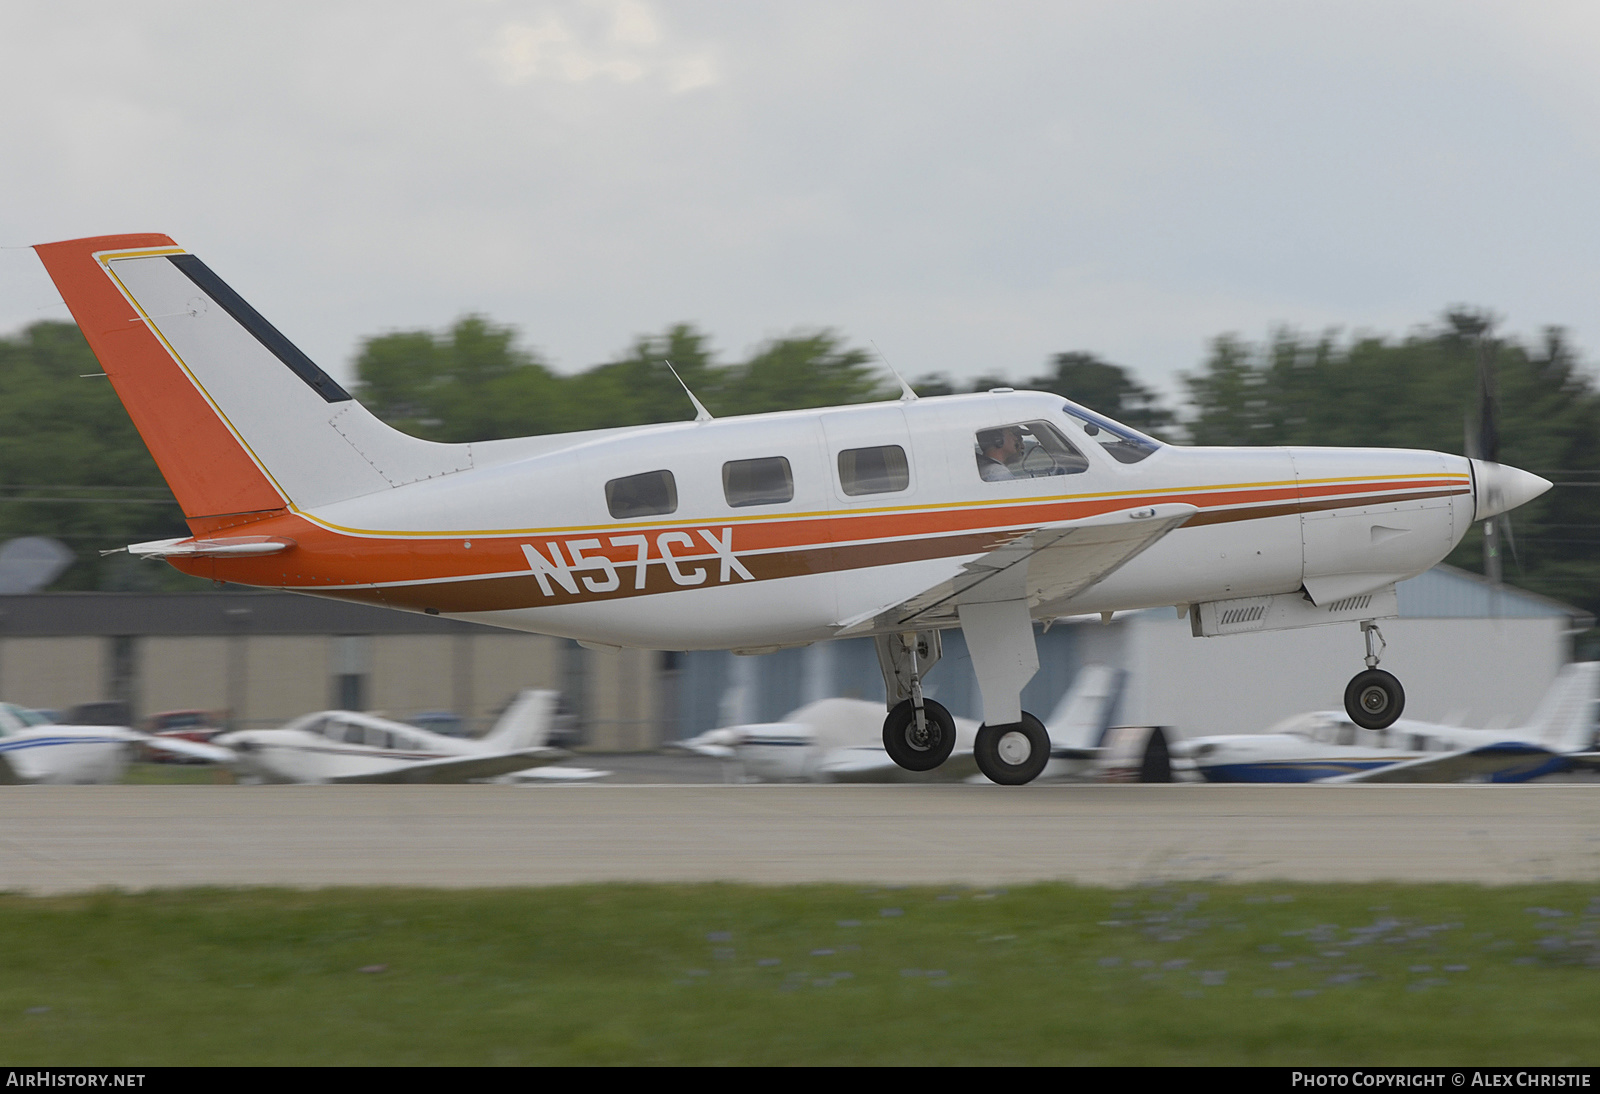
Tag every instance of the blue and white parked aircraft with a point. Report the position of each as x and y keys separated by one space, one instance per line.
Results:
x=1326 y=746
x=33 y=749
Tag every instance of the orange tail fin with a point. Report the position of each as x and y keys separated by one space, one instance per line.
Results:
x=212 y=475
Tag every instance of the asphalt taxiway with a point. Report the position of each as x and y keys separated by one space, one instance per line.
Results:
x=72 y=839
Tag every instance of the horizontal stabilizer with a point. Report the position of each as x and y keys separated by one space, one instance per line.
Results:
x=229 y=547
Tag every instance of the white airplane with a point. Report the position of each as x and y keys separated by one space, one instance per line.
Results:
x=33 y=749
x=896 y=520
x=342 y=746
x=1328 y=747
x=841 y=740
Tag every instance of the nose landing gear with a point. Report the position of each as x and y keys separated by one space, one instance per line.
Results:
x=1374 y=698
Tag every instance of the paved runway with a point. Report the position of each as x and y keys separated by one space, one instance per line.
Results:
x=65 y=839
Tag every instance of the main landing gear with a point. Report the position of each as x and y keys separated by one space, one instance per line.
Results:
x=919 y=734
x=1013 y=754
x=1374 y=698
x=1013 y=746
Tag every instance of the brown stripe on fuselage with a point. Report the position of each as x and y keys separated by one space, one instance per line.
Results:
x=524 y=591
x=1316 y=505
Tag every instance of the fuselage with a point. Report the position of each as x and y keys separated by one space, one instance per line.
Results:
x=1325 y=745
x=338 y=744
x=40 y=751
x=775 y=529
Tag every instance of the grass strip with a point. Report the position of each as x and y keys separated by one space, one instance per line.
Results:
x=733 y=974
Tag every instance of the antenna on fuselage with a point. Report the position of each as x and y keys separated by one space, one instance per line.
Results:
x=907 y=395
x=701 y=414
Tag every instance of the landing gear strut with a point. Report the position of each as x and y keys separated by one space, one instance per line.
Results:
x=1374 y=698
x=919 y=733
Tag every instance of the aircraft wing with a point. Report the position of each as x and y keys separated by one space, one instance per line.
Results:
x=455 y=769
x=192 y=750
x=557 y=775
x=871 y=764
x=1050 y=564
x=1508 y=759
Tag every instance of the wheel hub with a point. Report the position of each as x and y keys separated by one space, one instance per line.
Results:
x=1014 y=748
x=1374 y=700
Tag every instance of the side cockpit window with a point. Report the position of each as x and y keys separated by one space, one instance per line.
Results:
x=881 y=470
x=1025 y=450
x=767 y=481
x=651 y=494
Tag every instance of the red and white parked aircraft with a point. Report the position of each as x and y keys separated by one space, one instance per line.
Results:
x=895 y=520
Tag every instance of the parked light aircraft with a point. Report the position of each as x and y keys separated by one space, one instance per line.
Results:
x=841 y=740
x=34 y=749
x=342 y=746
x=1328 y=747
x=897 y=520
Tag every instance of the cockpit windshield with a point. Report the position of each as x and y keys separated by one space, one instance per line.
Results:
x=23 y=717
x=1123 y=444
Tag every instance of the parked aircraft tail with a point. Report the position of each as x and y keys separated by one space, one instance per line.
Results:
x=1085 y=711
x=1565 y=718
x=526 y=723
x=241 y=423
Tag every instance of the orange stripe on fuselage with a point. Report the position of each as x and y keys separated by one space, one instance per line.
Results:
x=337 y=561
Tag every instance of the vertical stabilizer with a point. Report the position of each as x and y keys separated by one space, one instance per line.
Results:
x=1565 y=719
x=526 y=723
x=240 y=422
x=1081 y=718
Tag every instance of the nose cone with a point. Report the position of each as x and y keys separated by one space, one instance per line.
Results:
x=1500 y=489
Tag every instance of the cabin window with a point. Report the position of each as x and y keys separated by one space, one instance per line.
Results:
x=1121 y=443
x=1025 y=450
x=355 y=733
x=881 y=470
x=651 y=494
x=766 y=481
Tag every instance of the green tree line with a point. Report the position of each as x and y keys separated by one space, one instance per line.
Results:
x=71 y=465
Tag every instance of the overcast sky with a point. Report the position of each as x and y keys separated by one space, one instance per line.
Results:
x=973 y=186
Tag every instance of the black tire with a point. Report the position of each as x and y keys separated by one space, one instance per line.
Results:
x=1374 y=699
x=914 y=751
x=1012 y=755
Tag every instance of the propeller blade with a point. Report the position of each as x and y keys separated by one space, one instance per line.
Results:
x=1504 y=520
x=1488 y=406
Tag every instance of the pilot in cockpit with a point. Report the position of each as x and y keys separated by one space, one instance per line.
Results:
x=998 y=451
